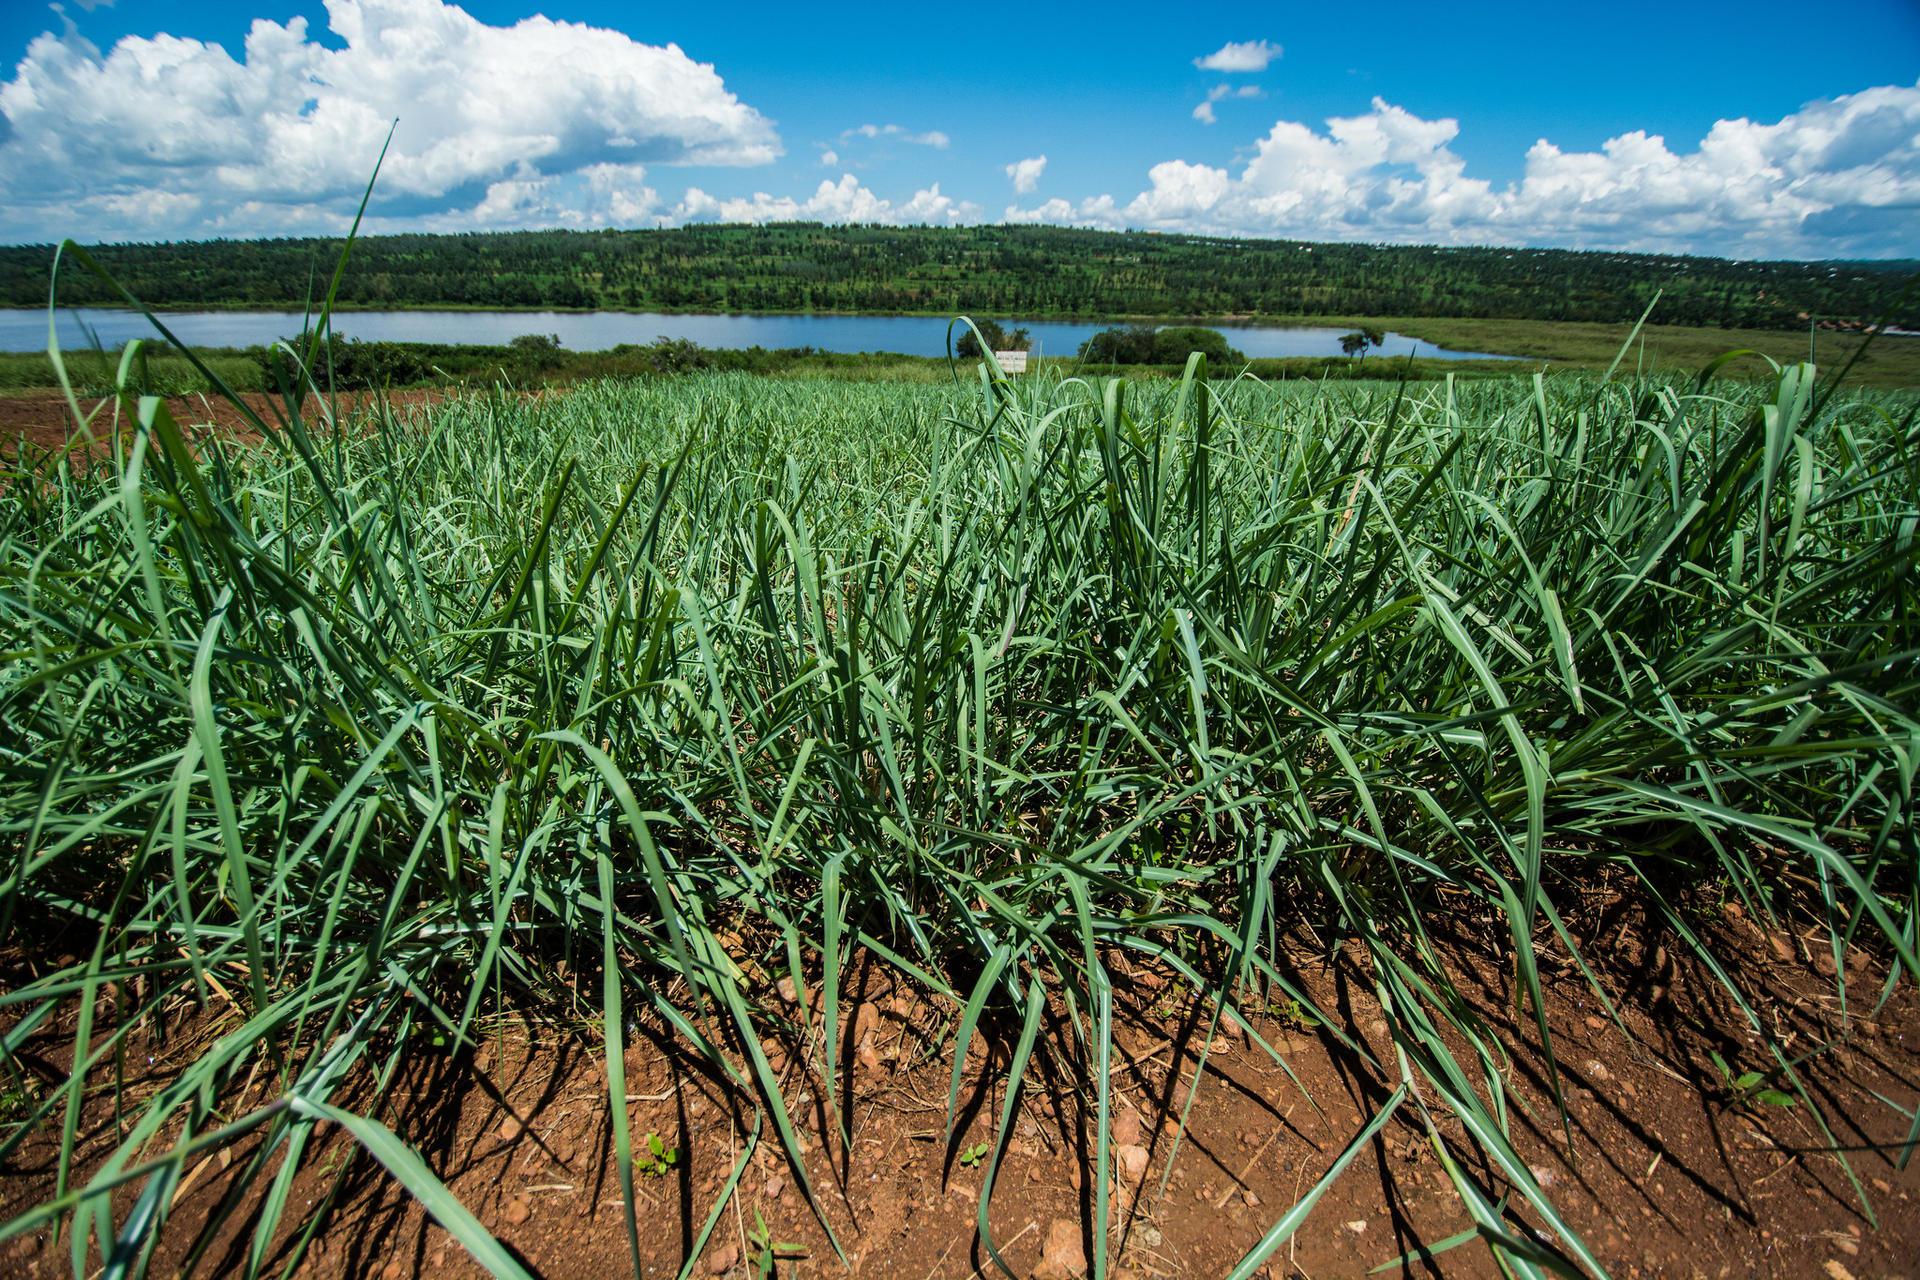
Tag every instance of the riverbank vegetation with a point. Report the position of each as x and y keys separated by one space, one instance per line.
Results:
x=1025 y=272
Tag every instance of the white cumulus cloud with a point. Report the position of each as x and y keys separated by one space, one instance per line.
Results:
x=1837 y=178
x=1025 y=174
x=931 y=138
x=838 y=202
x=1240 y=55
x=1095 y=211
x=1220 y=93
x=164 y=135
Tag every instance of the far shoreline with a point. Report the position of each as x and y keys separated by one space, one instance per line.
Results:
x=1254 y=320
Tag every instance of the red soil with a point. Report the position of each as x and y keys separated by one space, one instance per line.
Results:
x=1664 y=1175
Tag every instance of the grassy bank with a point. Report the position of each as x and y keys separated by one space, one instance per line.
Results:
x=1888 y=361
x=675 y=681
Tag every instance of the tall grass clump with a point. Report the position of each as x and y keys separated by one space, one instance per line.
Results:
x=359 y=733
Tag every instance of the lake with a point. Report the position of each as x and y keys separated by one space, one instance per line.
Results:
x=26 y=330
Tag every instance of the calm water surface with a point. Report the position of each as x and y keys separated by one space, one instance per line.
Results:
x=24 y=330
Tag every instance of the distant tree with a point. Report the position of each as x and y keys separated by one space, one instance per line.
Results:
x=536 y=342
x=1143 y=344
x=675 y=355
x=1357 y=342
x=998 y=339
x=1174 y=345
x=1133 y=345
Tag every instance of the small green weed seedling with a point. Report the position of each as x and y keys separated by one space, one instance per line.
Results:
x=657 y=1158
x=767 y=1252
x=1749 y=1086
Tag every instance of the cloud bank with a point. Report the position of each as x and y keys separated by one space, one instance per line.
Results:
x=838 y=202
x=165 y=134
x=1838 y=178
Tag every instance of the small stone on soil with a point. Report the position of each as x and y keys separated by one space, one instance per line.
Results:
x=1064 y=1256
x=517 y=1211
x=510 y=1128
x=722 y=1259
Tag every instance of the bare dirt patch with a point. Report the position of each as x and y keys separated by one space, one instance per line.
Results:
x=1662 y=1169
x=45 y=421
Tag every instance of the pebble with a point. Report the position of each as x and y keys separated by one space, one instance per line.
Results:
x=1598 y=1070
x=1131 y=1159
x=1063 y=1257
x=1126 y=1128
x=510 y=1128
x=722 y=1259
x=517 y=1211
x=1358 y=1226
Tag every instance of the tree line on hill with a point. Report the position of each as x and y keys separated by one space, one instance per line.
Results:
x=1038 y=272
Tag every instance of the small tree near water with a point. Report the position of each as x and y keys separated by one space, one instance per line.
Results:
x=1357 y=342
x=998 y=337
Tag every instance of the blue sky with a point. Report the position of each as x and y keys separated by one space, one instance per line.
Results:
x=1501 y=124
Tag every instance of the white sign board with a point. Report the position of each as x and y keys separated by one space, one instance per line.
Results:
x=1011 y=361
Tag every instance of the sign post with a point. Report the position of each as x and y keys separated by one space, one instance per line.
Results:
x=1011 y=361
